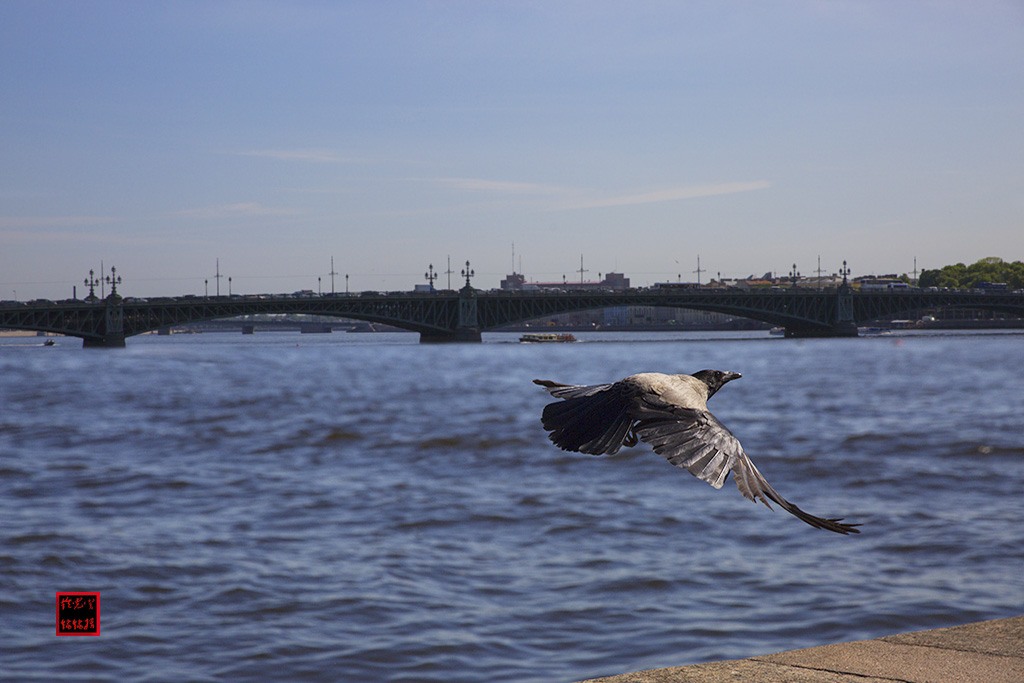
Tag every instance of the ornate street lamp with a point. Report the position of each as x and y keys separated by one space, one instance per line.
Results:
x=113 y=280
x=91 y=283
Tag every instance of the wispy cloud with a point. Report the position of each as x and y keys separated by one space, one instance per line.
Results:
x=242 y=210
x=30 y=222
x=498 y=186
x=670 y=194
x=313 y=156
x=562 y=198
x=58 y=231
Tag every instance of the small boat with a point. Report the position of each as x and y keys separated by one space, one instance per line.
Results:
x=49 y=342
x=534 y=338
x=874 y=331
x=777 y=331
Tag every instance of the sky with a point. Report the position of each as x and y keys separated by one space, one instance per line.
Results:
x=268 y=138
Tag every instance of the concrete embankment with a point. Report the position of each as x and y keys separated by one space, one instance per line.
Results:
x=982 y=652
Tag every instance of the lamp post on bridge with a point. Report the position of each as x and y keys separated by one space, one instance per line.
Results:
x=467 y=273
x=91 y=283
x=113 y=280
x=845 y=325
x=431 y=275
x=794 y=275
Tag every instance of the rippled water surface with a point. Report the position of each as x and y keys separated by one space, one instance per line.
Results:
x=365 y=508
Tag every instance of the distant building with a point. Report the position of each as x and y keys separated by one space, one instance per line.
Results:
x=513 y=281
x=517 y=281
x=616 y=281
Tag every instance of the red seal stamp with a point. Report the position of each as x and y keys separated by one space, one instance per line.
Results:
x=78 y=614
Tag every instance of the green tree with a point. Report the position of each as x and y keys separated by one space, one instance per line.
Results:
x=959 y=276
x=929 y=278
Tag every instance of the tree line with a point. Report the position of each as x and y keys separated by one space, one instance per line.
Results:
x=959 y=276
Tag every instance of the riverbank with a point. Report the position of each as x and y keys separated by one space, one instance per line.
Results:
x=981 y=652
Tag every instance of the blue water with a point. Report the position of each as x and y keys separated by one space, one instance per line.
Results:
x=365 y=508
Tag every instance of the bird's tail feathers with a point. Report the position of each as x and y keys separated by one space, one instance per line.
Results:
x=754 y=487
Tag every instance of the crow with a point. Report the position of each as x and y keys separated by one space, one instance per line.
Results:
x=670 y=413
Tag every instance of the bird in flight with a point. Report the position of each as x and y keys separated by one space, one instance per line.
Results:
x=670 y=413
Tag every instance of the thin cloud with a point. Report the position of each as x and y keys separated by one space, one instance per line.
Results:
x=497 y=186
x=668 y=195
x=314 y=156
x=242 y=210
x=30 y=222
x=59 y=237
x=563 y=198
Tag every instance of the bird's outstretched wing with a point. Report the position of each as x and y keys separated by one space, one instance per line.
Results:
x=696 y=441
x=592 y=419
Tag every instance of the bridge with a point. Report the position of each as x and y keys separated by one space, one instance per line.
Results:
x=461 y=316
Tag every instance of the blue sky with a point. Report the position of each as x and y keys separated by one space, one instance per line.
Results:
x=160 y=137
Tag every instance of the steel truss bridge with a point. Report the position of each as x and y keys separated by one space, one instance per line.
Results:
x=463 y=315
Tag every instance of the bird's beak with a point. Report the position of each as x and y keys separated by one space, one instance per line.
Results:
x=730 y=376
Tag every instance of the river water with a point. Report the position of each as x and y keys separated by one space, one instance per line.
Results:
x=355 y=507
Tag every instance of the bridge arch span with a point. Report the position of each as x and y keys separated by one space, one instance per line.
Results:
x=463 y=315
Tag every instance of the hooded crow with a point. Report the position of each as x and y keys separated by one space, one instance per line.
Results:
x=670 y=413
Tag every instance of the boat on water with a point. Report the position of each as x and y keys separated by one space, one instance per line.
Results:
x=540 y=337
x=777 y=331
x=873 y=331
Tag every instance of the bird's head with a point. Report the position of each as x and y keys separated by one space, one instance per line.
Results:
x=715 y=379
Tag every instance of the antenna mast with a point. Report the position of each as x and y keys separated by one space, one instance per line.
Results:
x=217 y=276
x=582 y=269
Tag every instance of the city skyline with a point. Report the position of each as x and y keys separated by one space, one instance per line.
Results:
x=268 y=138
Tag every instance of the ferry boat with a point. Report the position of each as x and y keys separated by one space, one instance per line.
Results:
x=532 y=338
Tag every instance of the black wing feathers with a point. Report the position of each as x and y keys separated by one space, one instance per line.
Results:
x=592 y=420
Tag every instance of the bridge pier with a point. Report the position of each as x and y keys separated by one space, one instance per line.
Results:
x=112 y=327
x=104 y=343
x=462 y=334
x=843 y=329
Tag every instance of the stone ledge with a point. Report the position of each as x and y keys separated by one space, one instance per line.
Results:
x=982 y=652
